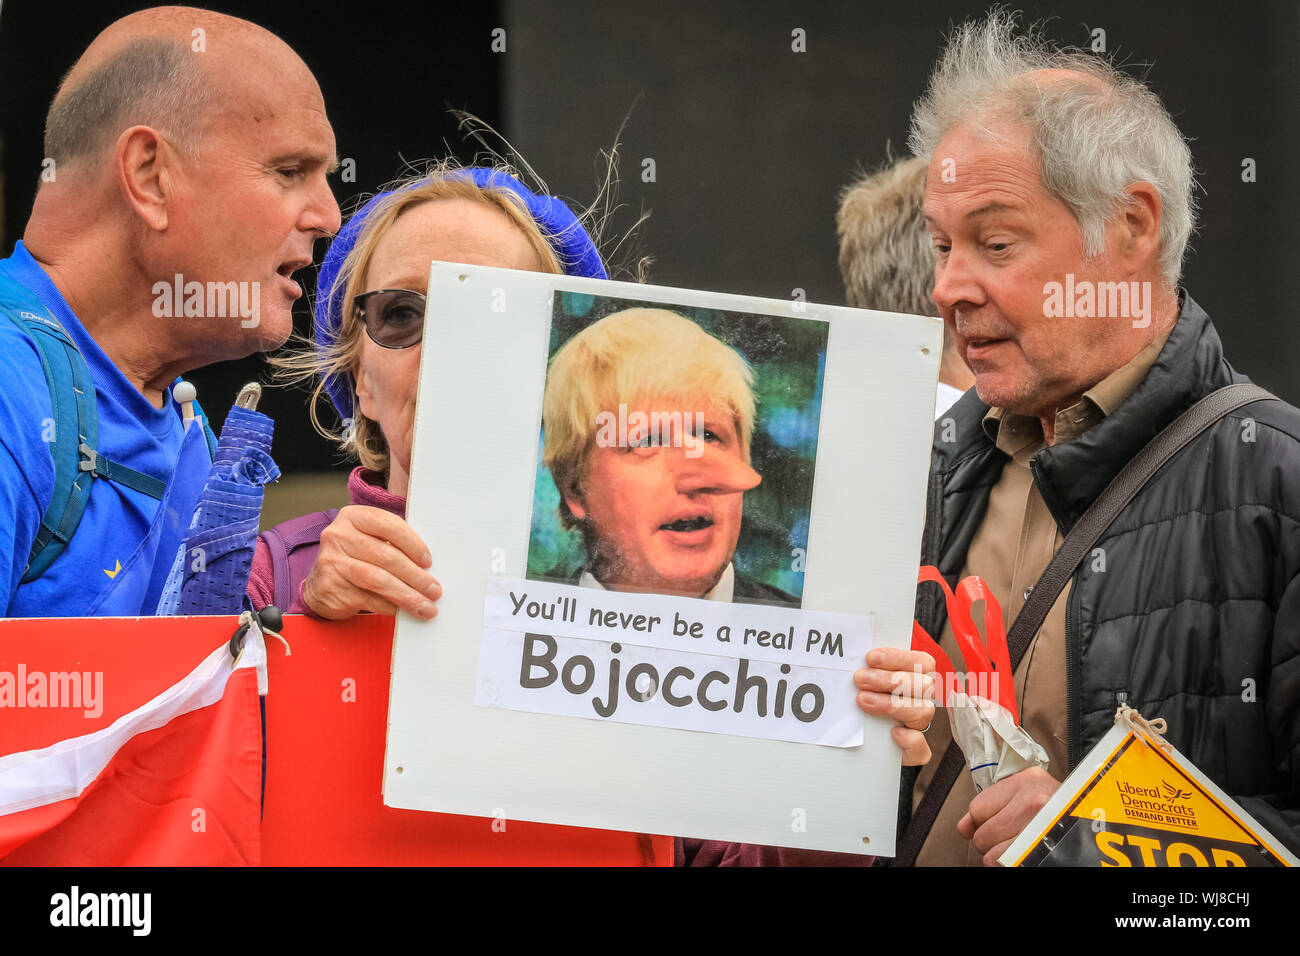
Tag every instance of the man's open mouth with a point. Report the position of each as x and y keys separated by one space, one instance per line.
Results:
x=290 y=266
x=698 y=523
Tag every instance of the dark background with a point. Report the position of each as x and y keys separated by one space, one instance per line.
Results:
x=751 y=141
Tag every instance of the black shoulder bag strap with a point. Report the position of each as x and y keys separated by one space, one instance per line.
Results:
x=1078 y=543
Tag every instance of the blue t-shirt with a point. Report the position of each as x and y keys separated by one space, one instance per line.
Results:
x=131 y=432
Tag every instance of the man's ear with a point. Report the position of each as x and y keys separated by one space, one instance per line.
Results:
x=141 y=159
x=1140 y=238
x=574 y=501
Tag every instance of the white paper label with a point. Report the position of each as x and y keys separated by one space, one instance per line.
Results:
x=744 y=669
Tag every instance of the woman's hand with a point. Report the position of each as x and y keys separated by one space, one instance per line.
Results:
x=899 y=684
x=370 y=560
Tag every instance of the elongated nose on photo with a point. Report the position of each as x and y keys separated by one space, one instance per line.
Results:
x=701 y=468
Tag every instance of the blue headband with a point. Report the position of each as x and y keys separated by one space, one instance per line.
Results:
x=568 y=239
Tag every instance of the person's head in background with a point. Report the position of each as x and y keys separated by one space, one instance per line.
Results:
x=887 y=256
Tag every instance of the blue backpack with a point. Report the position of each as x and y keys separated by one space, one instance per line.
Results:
x=76 y=429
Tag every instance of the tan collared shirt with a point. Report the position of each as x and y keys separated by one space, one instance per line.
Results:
x=1010 y=551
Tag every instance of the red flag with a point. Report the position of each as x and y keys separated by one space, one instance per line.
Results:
x=200 y=750
x=175 y=781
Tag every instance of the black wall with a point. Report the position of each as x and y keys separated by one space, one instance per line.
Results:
x=751 y=141
x=389 y=73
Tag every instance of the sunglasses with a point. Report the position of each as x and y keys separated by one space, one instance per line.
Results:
x=394 y=318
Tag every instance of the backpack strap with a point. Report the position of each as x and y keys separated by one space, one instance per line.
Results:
x=1122 y=489
x=279 y=567
x=72 y=399
x=75 y=436
x=202 y=418
x=101 y=467
x=285 y=538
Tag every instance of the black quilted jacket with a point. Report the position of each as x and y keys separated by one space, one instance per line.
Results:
x=1196 y=615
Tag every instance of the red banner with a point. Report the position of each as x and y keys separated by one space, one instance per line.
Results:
x=64 y=682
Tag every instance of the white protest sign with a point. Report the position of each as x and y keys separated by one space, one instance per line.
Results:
x=743 y=669
x=802 y=514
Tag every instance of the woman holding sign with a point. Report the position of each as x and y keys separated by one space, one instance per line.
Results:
x=365 y=557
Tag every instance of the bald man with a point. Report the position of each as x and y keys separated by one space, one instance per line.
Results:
x=187 y=154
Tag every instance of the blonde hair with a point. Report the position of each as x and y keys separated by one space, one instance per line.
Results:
x=886 y=254
x=629 y=356
x=362 y=437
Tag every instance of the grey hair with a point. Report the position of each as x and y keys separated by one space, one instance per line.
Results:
x=886 y=254
x=1095 y=135
x=150 y=82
